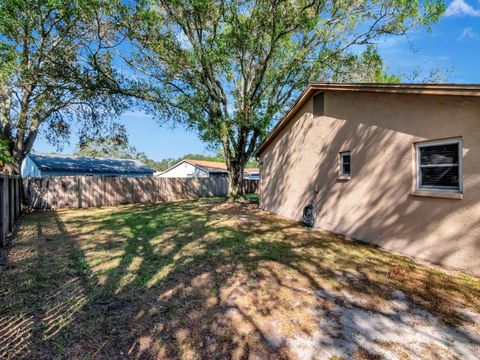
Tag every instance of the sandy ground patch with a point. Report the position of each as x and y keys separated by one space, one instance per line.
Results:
x=211 y=279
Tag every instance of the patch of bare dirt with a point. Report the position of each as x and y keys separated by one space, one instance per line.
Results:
x=212 y=279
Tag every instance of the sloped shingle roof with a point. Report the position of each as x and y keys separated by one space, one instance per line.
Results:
x=68 y=163
x=215 y=165
x=209 y=165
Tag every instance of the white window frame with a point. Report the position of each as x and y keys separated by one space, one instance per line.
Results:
x=341 y=154
x=418 y=146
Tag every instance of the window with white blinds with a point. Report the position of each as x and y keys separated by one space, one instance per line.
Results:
x=439 y=165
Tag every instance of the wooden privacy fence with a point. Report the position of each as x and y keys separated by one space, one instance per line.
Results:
x=10 y=204
x=92 y=191
x=250 y=186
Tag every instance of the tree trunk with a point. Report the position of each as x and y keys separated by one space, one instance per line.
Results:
x=13 y=167
x=19 y=146
x=236 y=180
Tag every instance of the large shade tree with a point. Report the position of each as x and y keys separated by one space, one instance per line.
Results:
x=54 y=70
x=228 y=68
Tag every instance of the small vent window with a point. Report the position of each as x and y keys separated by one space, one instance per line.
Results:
x=345 y=159
x=318 y=105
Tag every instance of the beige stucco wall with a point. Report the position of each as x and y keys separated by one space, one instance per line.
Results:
x=376 y=205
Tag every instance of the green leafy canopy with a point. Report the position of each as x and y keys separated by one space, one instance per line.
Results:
x=229 y=69
x=55 y=69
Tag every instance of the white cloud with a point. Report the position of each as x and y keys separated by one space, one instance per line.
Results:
x=136 y=114
x=461 y=8
x=469 y=33
x=390 y=42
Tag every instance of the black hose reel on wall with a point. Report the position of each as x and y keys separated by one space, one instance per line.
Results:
x=309 y=215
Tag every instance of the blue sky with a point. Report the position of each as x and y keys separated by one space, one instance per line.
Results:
x=452 y=47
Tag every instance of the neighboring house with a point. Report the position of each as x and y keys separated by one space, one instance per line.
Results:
x=252 y=174
x=189 y=168
x=67 y=165
x=200 y=168
x=393 y=165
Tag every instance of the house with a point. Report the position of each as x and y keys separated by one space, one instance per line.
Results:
x=36 y=164
x=201 y=168
x=188 y=168
x=251 y=174
x=393 y=165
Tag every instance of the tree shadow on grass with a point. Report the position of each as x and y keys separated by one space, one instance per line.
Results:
x=214 y=279
x=44 y=288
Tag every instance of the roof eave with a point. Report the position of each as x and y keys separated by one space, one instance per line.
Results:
x=419 y=89
x=184 y=161
x=281 y=124
x=97 y=171
x=213 y=171
x=425 y=89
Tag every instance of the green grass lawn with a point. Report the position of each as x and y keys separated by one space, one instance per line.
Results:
x=218 y=279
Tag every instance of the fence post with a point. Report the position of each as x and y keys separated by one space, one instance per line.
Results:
x=4 y=213
x=132 y=191
x=11 y=197
x=79 y=193
x=16 y=197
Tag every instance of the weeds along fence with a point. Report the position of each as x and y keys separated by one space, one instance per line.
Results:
x=10 y=204
x=93 y=191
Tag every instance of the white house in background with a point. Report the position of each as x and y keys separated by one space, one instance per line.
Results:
x=252 y=174
x=189 y=168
